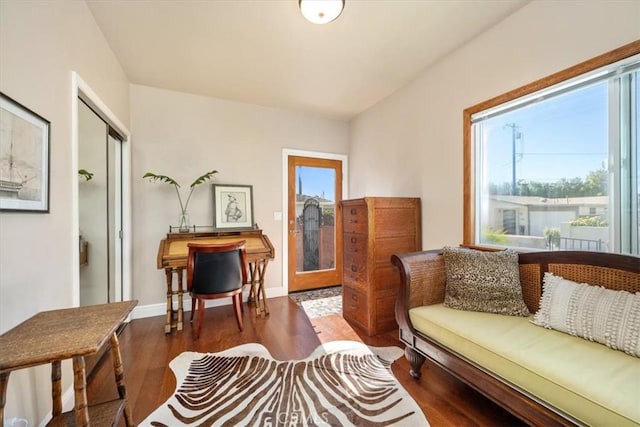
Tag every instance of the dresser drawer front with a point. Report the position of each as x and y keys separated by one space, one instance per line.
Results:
x=354 y=219
x=354 y=270
x=355 y=244
x=354 y=307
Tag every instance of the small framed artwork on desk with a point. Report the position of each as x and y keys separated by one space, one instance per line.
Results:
x=232 y=206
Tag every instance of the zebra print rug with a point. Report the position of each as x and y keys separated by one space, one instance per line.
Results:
x=341 y=383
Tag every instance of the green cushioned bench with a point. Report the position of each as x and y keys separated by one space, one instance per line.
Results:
x=542 y=376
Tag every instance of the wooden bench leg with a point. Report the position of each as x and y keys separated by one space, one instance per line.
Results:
x=118 y=370
x=56 y=387
x=80 y=388
x=4 y=381
x=415 y=360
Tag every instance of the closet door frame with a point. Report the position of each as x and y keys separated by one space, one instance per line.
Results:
x=81 y=90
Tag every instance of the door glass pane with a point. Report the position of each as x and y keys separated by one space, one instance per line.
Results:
x=315 y=218
x=93 y=207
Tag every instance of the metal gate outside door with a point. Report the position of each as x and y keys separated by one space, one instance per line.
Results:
x=310 y=234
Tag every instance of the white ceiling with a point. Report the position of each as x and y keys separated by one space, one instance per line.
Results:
x=264 y=52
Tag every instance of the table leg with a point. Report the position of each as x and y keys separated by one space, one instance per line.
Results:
x=4 y=381
x=180 y=272
x=80 y=387
x=169 y=276
x=118 y=370
x=56 y=387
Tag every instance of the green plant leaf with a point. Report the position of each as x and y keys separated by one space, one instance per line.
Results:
x=85 y=174
x=203 y=178
x=162 y=178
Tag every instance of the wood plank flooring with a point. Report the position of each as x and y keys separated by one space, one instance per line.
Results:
x=288 y=334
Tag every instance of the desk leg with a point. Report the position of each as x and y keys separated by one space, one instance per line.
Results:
x=257 y=272
x=254 y=294
x=180 y=272
x=261 y=266
x=4 y=381
x=56 y=387
x=80 y=387
x=169 y=276
x=118 y=370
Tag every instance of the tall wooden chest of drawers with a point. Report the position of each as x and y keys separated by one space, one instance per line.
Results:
x=374 y=228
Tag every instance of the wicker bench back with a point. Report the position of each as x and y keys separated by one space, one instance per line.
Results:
x=612 y=271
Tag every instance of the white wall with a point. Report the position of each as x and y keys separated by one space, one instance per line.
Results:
x=411 y=143
x=183 y=136
x=41 y=42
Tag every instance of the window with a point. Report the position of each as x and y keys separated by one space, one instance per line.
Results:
x=554 y=165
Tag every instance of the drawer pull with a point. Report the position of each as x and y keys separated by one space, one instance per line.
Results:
x=354 y=297
x=354 y=268
x=354 y=211
x=354 y=240
x=353 y=221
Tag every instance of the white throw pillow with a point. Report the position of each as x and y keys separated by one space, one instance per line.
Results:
x=595 y=313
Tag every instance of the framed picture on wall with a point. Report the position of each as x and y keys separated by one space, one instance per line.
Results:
x=232 y=206
x=24 y=158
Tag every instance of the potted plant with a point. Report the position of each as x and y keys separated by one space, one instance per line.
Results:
x=183 y=222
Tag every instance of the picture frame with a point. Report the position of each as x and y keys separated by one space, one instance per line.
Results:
x=24 y=158
x=232 y=206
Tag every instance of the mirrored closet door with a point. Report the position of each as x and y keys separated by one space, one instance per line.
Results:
x=100 y=208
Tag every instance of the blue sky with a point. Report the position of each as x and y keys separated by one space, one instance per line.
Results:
x=316 y=181
x=563 y=137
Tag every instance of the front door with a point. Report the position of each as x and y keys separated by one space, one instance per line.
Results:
x=315 y=233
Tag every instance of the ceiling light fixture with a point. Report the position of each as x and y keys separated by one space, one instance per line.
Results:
x=321 y=11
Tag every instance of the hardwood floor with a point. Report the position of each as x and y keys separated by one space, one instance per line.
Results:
x=288 y=334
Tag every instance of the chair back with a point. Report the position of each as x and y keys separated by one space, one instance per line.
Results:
x=216 y=268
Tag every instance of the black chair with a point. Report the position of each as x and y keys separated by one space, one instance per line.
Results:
x=216 y=271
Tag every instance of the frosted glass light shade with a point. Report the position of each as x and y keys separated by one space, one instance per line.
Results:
x=321 y=11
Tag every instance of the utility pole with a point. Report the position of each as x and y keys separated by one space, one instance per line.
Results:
x=514 y=135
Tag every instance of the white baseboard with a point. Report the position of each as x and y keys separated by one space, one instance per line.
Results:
x=151 y=310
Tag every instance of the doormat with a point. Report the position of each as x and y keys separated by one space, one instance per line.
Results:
x=342 y=383
x=319 y=302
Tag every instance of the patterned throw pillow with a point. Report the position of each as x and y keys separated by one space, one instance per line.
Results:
x=483 y=281
x=595 y=313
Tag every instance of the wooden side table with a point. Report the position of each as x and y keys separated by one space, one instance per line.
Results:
x=73 y=333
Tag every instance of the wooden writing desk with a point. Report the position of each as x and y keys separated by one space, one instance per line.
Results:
x=173 y=253
x=73 y=333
